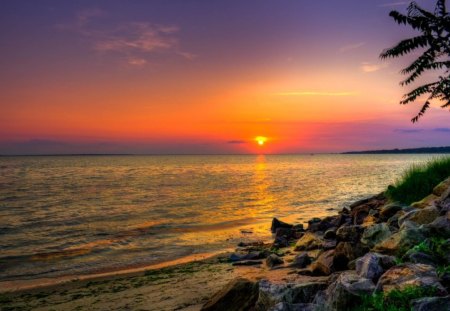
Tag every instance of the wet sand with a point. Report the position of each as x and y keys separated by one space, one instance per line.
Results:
x=184 y=286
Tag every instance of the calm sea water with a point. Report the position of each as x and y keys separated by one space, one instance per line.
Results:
x=80 y=215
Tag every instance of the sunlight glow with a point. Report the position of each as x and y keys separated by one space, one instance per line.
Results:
x=260 y=140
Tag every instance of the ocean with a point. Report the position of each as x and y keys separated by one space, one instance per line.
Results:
x=78 y=215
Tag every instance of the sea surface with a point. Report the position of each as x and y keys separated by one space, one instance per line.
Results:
x=74 y=215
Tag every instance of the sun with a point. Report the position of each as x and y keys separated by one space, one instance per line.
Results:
x=261 y=140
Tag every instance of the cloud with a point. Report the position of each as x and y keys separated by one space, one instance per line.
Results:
x=368 y=67
x=442 y=129
x=314 y=93
x=134 y=41
x=350 y=47
x=236 y=142
x=399 y=3
x=136 y=61
x=408 y=131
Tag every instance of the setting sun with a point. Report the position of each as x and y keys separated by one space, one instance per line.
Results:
x=261 y=140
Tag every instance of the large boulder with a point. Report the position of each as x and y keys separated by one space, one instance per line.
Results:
x=421 y=216
x=344 y=253
x=440 y=226
x=375 y=234
x=349 y=233
x=404 y=275
x=324 y=264
x=400 y=242
x=276 y=223
x=346 y=291
x=238 y=295
x=372 y=265
x=309 y=241
x=389 y=210
x=431 y=304
x=271 y=294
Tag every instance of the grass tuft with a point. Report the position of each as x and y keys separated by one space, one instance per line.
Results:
x=395 y=300
x=419 y=180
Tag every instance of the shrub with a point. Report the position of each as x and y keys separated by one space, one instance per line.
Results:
x=419 y=180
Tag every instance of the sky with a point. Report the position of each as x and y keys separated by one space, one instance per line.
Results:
x=194 y=77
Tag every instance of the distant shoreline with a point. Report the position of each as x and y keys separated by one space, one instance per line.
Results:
x=423 y=150
x=403 y=151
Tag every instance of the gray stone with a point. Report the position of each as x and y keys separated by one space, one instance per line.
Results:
x=431 y=304
x=276 y=223
x=284 y=306
x=324 y=264
x=420 y=216
x=238 y=295
x=346 y=291
x=389 y=210
x=349 y=233
x=369 y=266
x=440 y=226
x=273 y=260
x=308 y=241
x=400 y=242
x=401 y=276
x=271 y=294
x=375 y=234
x=301 y=260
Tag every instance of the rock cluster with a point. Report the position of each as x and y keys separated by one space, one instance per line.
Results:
x=372 y=246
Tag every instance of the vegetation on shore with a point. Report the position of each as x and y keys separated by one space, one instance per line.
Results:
x=395 y=300
x=419 y=180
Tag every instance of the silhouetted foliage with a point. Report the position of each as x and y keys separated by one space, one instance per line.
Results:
x=434 y=39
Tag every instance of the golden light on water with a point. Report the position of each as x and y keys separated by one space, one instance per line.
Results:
x=261 y=140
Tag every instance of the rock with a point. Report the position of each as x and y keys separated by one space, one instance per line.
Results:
x=329 y=244
x=431 y=304
x=273 y=260
x=414 y=256
x=326 y=223
x=238 y=295
x=393 y=223
x=301 y=260
x=287 y=233
x=389 y=210
x=401 y=276
x=250 y=256
x=344 y=253
x=425 y=202
x=375 y=234
x=270 y=294
x=443 y=189
x=400 y=242
x=323 y=264
x=308 y=241
x=440 y=226
x=330 y=233
x=421 y=216
x=279 y=224
x=369 y=266
x=247 y=263
x=284 y=306
x=345 y=293
x=359 y=213
x=349 y=233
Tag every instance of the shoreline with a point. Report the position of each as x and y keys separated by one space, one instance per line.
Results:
x=15 y=286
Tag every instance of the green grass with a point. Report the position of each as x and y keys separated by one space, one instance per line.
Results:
x=395 y=300
x=419 y=180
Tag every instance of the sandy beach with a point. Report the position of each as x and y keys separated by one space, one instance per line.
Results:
x=185 y=286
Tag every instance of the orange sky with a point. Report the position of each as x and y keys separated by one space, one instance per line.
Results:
x=170 y=78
